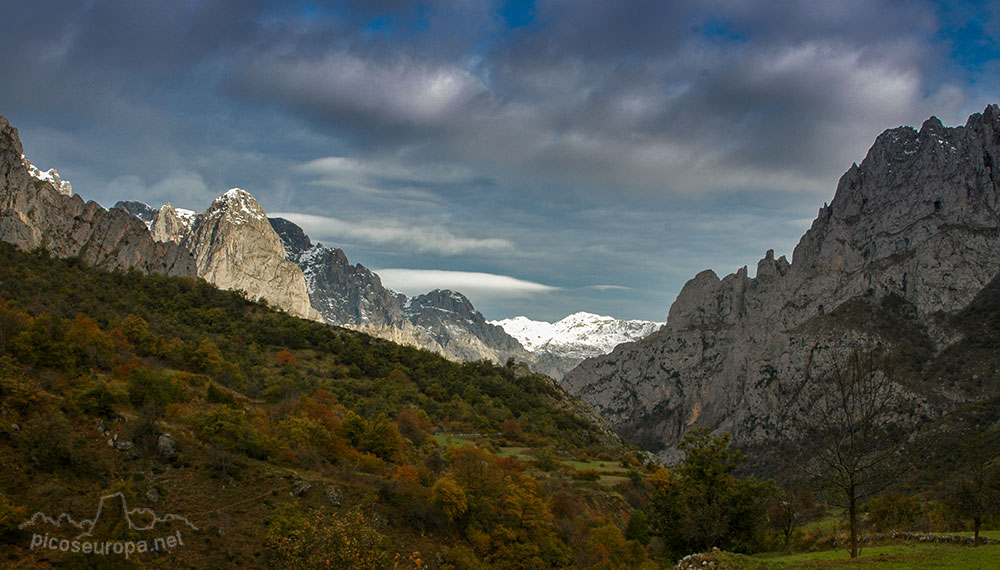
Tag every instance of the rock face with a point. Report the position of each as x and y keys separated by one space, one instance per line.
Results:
x=558 y=347
x=353 y=296
x=140 y=210
x=917 y=225
x=169 y=224
x=40 y=211
x=235 y=248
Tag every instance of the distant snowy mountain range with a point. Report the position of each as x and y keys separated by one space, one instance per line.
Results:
x=578 y=336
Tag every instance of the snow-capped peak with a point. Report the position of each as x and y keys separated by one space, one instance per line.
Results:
x=50 y=176
x=239 y=204
x=579 y=335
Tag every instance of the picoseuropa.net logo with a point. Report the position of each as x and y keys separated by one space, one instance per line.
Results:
x=144 y=531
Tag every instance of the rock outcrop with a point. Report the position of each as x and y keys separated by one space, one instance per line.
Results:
x=39 y=210
x=916 y=225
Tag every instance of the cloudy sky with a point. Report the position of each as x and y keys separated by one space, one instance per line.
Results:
x=542 y=156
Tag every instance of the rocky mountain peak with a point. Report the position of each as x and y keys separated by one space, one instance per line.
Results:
x=140 y=210
x=444 y=300
x=294 y=239
x=236 y=248
x=51 y=176
x=172 y=224
x=558 y=347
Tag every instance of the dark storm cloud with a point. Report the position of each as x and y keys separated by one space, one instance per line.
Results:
x=674 y=97
x=84 y=49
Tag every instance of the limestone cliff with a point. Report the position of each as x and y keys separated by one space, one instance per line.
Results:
x=914 y=225
x=38 y=209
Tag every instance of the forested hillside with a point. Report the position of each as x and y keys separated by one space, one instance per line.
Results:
x=287 y=443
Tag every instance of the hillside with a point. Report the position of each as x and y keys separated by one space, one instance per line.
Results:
x=281 y=440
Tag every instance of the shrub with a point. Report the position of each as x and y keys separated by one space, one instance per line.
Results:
x=230 y=429
x=216 y=395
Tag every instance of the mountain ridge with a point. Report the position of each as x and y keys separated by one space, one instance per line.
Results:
x=577 y=336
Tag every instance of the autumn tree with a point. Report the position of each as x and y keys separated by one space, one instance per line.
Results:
x=88 y=341
x=11 y=322
x=853 y=452
x=448 y=495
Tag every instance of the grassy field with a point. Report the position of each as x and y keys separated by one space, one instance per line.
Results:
x=914 y=556
x=447 y=440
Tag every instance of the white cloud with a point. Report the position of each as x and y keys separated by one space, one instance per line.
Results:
x=390 y=178
x=417 y=281
x=607 y=287
x=400 y=90
x=434 y=239
x=337 y=167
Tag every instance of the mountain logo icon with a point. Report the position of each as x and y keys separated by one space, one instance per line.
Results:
x=114 y=506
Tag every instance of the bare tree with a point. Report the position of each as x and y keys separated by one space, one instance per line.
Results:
x=853 y=452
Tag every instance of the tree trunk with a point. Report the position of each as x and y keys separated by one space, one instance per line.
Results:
x=976 y=523
x=852 y=513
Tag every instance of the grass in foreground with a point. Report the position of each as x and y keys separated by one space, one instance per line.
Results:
x=914 y=556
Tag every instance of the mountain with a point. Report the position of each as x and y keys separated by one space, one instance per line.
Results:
x=38 y=209
x=236 y=248
x=911 y=237
x=462 y=331
x=567 y=342
x=344 y=294
x=348 y=295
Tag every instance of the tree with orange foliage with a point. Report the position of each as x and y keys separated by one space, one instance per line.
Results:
x=286 y=358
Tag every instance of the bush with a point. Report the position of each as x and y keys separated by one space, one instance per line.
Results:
x=216 y=395
x=893 y=511
x=587 y=475
x=154 y=387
